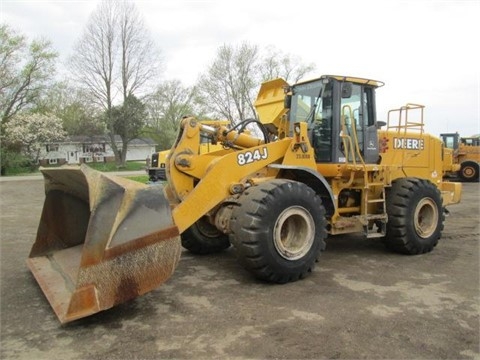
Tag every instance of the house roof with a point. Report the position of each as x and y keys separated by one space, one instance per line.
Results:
x=143 y=140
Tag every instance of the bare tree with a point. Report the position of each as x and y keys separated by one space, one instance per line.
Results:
x=231 y=80
x=139 y=64
x=276 y=64
x=94 y=56
x=115 y=59
x=231 y=83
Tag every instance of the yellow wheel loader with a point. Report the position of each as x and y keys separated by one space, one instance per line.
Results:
x=320 y=165
x=466 y=155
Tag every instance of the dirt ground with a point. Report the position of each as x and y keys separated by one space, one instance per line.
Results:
x=361 y=302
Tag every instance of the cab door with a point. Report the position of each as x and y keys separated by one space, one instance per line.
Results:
x=357 y=121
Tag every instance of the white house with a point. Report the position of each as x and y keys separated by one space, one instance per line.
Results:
x=86 y=149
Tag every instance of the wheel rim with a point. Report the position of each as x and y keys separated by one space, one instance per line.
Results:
x=468 y=171
x=294 y=233
x=426 y=217
x=207 y=229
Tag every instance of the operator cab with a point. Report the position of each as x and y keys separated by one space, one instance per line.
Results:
x=450 y=140
x=453 y=140
x=341 y=117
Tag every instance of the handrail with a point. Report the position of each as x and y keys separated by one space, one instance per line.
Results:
x=403 y=121
x=404 y=124
x=356 y=148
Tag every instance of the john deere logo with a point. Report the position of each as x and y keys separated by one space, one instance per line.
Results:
x=409 y=144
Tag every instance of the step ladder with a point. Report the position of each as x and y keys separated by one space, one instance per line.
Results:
x=380 y=219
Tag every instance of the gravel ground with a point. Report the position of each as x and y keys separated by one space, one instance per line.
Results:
x=361 y=301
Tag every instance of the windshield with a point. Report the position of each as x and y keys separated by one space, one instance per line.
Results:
x=306 y=104
x=449 y=141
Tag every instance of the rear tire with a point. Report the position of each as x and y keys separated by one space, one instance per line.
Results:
x=278 y=230
x=415 y=216
x=469 y=171
x=204 y=238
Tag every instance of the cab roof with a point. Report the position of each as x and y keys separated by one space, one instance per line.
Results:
x=352 y=79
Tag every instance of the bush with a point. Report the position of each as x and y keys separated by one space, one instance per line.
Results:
x=13 y=163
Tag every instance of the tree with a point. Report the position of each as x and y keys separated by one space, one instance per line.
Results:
x=127 y=121
x=115 y=58
x=25 y=70
x=166 y=106
x=276 y=64
x=229 y=83
x=73 y=106
x=30 y=133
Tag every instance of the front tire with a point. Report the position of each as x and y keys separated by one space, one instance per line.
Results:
x=204 y=238
x=469 y=171
x=415 y=216
x=278 y=230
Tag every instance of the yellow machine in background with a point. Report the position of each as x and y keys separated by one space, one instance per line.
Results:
x=466 y=153
x=156 y=168
x=323 y=165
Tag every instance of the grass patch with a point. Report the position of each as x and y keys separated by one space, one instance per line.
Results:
x=103 y=167
x=112 y=166
x=14 y=171
x=139 y=178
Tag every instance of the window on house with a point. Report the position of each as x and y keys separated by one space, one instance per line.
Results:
x=52 y=147
x=94 y=148
x=52 y=161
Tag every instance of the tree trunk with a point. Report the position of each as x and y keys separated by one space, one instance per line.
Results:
x=115 y=149
x=123 y=159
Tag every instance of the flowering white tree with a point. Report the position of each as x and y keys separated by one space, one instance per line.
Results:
x=32 y=131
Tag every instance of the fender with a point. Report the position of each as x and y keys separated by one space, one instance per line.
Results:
x=315 y=180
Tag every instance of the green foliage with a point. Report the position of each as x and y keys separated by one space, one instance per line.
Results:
x=12 y=161
x=75 y=107
x=25 y=71
x=112 y=61
x=77 y=120
x=127 y=120
x=160 y=138
x=166 y=107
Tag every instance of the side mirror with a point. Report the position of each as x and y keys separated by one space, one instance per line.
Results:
x=380 y=124
x=346 y=90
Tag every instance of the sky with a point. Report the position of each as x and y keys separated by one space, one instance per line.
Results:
x=426 y=52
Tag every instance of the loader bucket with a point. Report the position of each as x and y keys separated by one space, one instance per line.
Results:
x=102 y=240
